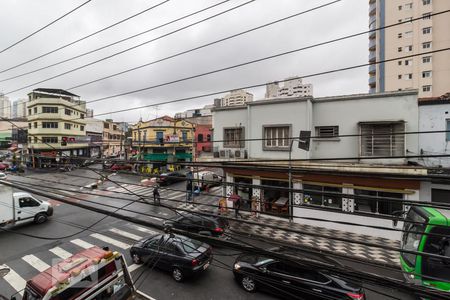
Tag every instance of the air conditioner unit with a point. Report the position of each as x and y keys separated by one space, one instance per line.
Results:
x=222 y=153
x=237 y=153
x=216 y=154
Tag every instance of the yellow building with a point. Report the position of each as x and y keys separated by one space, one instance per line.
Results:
x=162 y=141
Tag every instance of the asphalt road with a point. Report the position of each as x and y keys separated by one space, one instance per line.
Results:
x=65 y=233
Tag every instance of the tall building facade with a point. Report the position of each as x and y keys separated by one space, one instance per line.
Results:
x=429 y=73
x=292 y=87
x=5 y=107
x=19 y=108
x=236 y=97
x=56 y=127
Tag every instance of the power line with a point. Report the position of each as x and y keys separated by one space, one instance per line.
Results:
x=42 y=28
x=133 y=47
x=106 y=46
x=85 y=37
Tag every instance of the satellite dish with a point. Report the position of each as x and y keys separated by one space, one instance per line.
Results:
x=3 y=270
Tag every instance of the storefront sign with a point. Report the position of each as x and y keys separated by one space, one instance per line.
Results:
x=172 y=138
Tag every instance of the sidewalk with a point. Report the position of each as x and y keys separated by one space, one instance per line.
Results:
x=345 y=248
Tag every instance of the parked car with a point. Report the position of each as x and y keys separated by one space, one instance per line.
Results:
x=292 y=279
x=88 y=162
x=3 y=176
x=121 y=167
x=180 y=255
x=208 y=225
x=3 y=166
x=171 y=177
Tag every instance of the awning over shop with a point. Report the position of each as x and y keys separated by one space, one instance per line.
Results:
x=183 y=155
x=156 y=156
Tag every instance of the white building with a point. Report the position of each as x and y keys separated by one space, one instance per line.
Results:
x=350 y=181
x=19 y=108
x=236 y=97
x=292 y=87
x=5 y=107
x=197 y=112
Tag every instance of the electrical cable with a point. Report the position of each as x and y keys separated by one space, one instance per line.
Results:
x=85 y=37
x=42 y=28
x=131 y=48
x=108 y=45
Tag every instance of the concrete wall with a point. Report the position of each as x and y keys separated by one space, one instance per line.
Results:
x=433 y=118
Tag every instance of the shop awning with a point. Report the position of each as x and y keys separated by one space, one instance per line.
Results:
x=156 y=156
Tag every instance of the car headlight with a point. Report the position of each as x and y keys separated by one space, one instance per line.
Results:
x=237 y=266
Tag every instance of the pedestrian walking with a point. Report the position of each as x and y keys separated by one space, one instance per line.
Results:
x=156 y=196
x=237 y=206
x=189 y=186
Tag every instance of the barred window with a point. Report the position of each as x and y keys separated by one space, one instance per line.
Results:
x=67 y=126
x=276 y=137
x=49 y=140
x=382 y=139
x=233 y=137
x=369 y=201
x=327 y=131
x=49 y=110
x=49 y=124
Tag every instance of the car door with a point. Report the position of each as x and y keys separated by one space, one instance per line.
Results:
x=26 y=208
x=285 y=281
x=184 y=223
x=148 y=251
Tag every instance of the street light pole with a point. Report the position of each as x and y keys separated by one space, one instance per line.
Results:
x=291 y=206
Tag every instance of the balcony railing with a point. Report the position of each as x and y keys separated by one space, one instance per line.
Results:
x=372 y=44
x=372 y=56
x=372 y=8
x=372 y=69
x=372 y=80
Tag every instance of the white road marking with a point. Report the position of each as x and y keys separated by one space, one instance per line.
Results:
x=126 y=234
x=133 y=267
x=82 y=243
x=15 y=280
x=36 y=263
x=143 y=229
x=111 y=241
x=60 y=252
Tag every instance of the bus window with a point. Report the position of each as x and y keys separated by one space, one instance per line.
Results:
x=411 y=239
x=440 y=245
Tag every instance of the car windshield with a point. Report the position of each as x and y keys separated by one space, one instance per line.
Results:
x=188 y=245
x=412 y=236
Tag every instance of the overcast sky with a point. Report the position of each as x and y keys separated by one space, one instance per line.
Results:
x=19 y=18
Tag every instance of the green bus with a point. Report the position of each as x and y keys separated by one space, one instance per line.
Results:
x=421 y=269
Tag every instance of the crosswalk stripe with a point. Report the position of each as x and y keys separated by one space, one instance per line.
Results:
x=15 y=280
x=143 y=229
x=138 y=189
x=126 y=234
x=82 y=243
x=60 y=252
x=133 y=267
x=35 y=262
x=109 y=240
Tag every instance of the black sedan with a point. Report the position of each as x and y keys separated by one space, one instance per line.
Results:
x=180 y=255
x=170 y=177
x=292 y=280
x=207 y=225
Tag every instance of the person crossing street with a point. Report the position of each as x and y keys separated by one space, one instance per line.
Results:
x=156 y=196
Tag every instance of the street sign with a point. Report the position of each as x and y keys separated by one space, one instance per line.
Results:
x=304 y=140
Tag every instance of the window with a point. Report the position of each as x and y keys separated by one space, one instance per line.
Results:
x=184 y=137
x=426 y=30
x=28 y=202
x=50 y=140
x=327 y=131
x=399 y=62
x=399 y=7
x=426 y=16
x=408 y=48
x=408 y=76
x=426 y=88
x=371 y=202
x=200 y=138
x=276 y=137
x=29 y=111
x=414 y=228
x=81 y=116
x=67 y=126
x=426 y=2
x=81 y=128
x=426 y=74
x=426 y=45
x=408 y=34
x=35 y=110
x=399 y=49
x=409 y=19
x=408 y=62
x=159 y=136
x=233 y=137
x=399 y=76
x=35 y=124
x=35 y=140
x=317 y=195
x=377 y=139
x=29 y=125
x=426 y=59
x=49 y=124
x=49 y=110
x=447 y=134
x=408 y=5
x=208 y=138
x=106 y=125
x=68 y=112
x=399 y=35
x=436 y=243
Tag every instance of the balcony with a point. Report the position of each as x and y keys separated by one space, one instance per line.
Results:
x=372 y=45
x=372 y=19
x=372 y=8
x=372 y=80
x=372 y=56
x=372 y=35
x=372 y=69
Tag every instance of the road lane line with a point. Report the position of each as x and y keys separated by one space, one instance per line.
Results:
x=143 y=229
x=60 y=252
x=81 y=243
x=36 y=263
x=133 y=267
x=126 y=234
x=15 y=280
x=111 y=241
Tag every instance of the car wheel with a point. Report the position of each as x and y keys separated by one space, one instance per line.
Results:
x=177 y=274
x=136 y=259
x=248 y=284
x=40 y=218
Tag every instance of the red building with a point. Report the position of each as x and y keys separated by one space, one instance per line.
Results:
x=203 y=136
